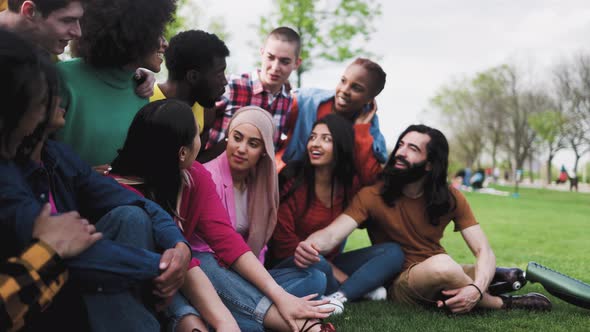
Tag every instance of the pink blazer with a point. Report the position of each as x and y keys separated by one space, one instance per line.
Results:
x=221 y=175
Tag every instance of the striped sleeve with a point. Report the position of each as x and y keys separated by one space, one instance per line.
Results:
x=28 y=284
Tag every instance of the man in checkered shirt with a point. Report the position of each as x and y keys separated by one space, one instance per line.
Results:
x=267 y=87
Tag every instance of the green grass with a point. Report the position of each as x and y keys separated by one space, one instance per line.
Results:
x=551 y=228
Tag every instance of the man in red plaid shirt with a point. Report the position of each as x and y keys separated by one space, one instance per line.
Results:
x=267 y=87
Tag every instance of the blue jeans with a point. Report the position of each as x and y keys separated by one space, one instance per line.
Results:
x=123 y=258
x=367 y=269
x=177 y=309
x=246 y=303
x=113 y=308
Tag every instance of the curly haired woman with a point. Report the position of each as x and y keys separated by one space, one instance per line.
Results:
x=118 y=36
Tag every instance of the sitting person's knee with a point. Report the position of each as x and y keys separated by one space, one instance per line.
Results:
x=127 y=224
x=444 y=269
x=391 y=255
x=127 y=216
x=187 y=323
x=318 y=279
x=130 y=212
x=323 y=265
x=392 y=250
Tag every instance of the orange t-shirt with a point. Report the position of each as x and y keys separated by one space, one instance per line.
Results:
x=406 y=223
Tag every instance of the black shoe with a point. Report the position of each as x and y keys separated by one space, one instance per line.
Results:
x=507 y=280
x=530 y=301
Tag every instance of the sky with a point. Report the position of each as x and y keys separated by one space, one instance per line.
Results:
x=423 y=45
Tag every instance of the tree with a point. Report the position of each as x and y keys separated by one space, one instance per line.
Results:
x=333 y=30
x=189 y=15
x=549 y=126
x=572 y=81
x=177 y=23
x=488 y=89
x=577 y=137
x=476 y=109
x=456 y=103
x=520 y=105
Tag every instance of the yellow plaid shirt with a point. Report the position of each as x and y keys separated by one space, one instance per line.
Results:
x=28 y=284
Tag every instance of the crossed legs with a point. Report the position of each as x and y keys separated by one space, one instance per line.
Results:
x=427 y=279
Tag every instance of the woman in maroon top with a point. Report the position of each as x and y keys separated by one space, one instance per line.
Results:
x=158 y=159
x=316 y=190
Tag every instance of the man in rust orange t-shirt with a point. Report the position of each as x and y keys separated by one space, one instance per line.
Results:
x=412 y=205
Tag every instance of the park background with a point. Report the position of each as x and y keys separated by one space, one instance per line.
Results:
x=503 y=78
x=438 y=55
x=483 y=72
x=451 y=64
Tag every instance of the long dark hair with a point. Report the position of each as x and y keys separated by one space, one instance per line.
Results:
x=150 y=151
x=24 y=70
x=439 y=199
x=303 y=173
x=30 y=142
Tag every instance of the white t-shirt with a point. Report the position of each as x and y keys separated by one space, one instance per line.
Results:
x=241 y=204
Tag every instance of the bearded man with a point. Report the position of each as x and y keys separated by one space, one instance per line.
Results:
x=411 y=205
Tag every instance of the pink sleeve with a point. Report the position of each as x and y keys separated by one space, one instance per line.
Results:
x=213 y=225
x=193 y=263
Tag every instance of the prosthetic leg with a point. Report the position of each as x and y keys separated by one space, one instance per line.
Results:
x=560 y=285
x=506 y=280
x=571 y=290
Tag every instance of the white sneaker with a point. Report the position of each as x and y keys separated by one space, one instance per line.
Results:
x=337 y=305
x=338 y=296
x=377 y=294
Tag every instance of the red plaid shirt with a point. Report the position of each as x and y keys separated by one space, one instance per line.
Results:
x=247 y=90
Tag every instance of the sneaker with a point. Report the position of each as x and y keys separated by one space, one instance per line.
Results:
x=338 y=296
x=377 y=294
x=337 y=305
x=530 y=301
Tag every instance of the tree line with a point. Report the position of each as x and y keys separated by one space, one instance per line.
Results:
x=499 y=113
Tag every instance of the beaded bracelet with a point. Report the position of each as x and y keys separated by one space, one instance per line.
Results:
x=479 y=290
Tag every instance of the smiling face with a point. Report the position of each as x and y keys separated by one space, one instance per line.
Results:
x=154 y=60
x=279 y=59
x=320 y=146
x=244 y=148
x=354 y=90
x=411 y=150
x=54 y=32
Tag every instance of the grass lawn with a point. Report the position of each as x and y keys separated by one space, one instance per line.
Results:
x=549 y=227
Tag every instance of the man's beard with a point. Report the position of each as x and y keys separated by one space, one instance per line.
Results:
x=201 y=91
x=207 y=102
x=398 y=178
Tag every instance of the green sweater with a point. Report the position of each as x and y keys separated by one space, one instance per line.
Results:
x=100 y=105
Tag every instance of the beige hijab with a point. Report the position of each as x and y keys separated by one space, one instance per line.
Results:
x=263 y=187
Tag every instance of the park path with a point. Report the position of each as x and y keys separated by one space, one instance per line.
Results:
x=582 y=187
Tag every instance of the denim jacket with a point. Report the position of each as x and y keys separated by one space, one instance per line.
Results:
x=75 y=187
x=308 y=102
